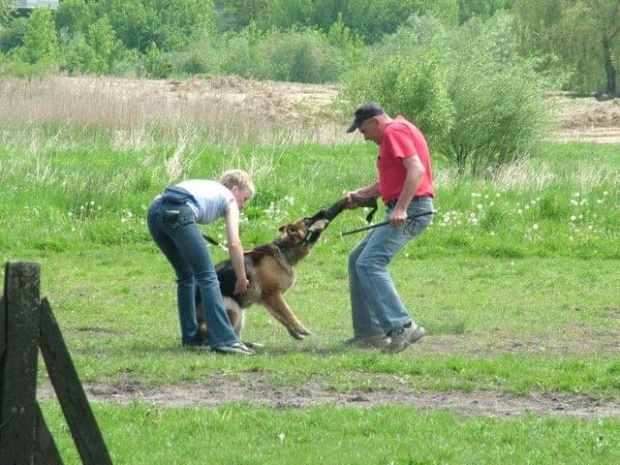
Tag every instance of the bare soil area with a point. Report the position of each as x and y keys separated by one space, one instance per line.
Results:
x=256 y=391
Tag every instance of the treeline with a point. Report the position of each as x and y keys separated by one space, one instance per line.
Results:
x=312 y=41
x=469 y=73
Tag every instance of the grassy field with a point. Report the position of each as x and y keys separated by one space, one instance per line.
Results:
x=516 y=282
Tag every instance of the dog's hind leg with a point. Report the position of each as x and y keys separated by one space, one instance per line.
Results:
x=279 y=309
x=236 y=315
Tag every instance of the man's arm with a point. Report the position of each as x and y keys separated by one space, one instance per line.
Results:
x=415 y=171
x=365 y=192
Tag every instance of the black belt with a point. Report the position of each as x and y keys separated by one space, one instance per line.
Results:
x=392 y=203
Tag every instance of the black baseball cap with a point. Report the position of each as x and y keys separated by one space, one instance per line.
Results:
x=365 y=111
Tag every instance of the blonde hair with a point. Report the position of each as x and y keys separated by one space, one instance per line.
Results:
x=238 y=178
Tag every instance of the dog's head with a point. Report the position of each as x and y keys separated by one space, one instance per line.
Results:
x=304 y=231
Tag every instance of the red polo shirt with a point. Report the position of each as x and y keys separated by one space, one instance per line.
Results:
x=401 y=139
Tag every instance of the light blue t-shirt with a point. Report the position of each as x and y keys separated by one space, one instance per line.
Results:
x=211 y=199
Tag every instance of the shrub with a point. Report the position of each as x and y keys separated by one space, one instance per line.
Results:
x=477 y=102
x=298 y=56
x=40 y=40
x=98 y=51
x=156 y=63
x=497 y=99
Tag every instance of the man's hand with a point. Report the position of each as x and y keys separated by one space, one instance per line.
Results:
x=350 y=203
x=241 y=287
x=398 y=218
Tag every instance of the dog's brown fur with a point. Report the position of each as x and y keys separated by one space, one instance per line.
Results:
x=270 y=270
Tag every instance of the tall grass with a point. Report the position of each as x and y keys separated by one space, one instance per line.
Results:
x=556 y=203
x=138 y=114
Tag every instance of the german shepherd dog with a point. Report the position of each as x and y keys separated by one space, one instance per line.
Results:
x=270 y=270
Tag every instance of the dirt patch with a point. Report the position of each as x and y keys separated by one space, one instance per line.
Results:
x=586 y=119
x=256 y=391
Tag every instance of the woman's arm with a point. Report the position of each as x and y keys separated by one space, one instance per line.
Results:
x=235 y=248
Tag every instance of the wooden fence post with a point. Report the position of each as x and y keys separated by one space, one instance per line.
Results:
x=27 y=323
x=18 y=374
x=73 y=400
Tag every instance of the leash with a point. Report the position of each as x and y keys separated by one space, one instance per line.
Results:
x=254 y=251
x=384 y=223
x=214 y=242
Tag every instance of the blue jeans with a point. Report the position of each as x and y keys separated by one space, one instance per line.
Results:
x=181 y=241
x=375 y=305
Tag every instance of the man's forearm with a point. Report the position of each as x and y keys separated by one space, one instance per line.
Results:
x=370 y=191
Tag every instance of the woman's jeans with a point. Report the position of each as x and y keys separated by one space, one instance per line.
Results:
x=175 y=231
x=375 y=305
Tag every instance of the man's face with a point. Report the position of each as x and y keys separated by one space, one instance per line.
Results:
x=371 y=130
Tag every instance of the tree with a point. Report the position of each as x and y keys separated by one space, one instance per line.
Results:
x=583 y=34
x=73 y=16
x=6 y=6
x=483 y=9
x=40 y=40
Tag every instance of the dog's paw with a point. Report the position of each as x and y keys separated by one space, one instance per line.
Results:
x=254 y=345
x=296 y=335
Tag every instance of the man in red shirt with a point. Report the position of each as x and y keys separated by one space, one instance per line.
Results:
x=405 y=184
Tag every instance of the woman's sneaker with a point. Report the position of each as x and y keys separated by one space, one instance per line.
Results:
x=404 y=337
x=234 y=348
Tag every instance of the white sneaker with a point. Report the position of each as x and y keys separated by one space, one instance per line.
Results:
x=234 y=348
x=404 y=337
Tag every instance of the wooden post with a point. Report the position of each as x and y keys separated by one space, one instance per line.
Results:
x=71 y=395
x=19 y=363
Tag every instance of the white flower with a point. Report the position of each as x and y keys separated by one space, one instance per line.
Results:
x=535 y=226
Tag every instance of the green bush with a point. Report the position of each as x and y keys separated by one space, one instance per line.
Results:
x=156 y=63
x=413 y=86
x=40 y=39
x=477 y=102
x=98 y=51
x=298 y=56
x=13 y=35
x=497 y=99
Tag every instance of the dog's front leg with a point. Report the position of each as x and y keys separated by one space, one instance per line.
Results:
x=279 y=309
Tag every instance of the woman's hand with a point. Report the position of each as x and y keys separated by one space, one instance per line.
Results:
x=241 y=287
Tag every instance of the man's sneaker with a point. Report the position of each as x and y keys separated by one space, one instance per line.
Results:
x=378 y=341
x=234 y=348
x=402 y=338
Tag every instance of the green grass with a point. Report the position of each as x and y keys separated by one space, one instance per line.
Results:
x=516 y=283
x=334 y=435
